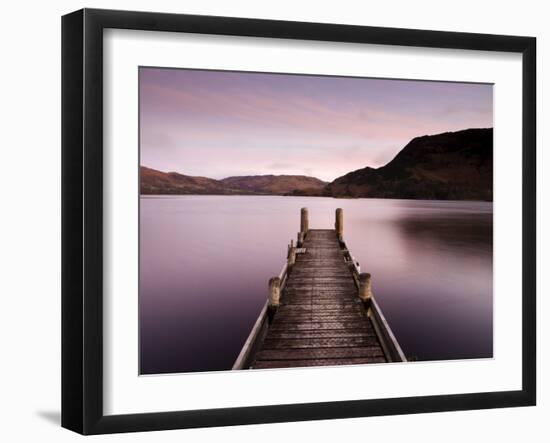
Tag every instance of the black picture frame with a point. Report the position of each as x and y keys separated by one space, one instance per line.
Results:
x=82 y=218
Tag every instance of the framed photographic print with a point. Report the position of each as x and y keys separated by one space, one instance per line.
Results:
x=269 y=221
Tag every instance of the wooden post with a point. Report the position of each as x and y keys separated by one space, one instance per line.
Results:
x=300 y=240
x=339 y=223
x=291 y=259
x=365 y=289
x=274 y=291
x=304 y=221
x=289 y=248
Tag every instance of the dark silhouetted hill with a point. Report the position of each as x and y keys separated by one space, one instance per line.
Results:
x=448 y=166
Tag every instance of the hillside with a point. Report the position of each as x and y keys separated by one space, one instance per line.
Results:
x=276 y=184
x=448 y=166
x=158 y=182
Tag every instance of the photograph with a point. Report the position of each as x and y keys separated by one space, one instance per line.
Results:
x=295 y=220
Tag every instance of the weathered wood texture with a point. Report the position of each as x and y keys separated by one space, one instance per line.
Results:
x=320 y=320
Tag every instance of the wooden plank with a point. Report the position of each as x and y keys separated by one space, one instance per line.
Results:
x=307 y=354
x=320 y=326
x=318 y=289
x=312 y=318
x=299 y=311
x=320 y=342
x=314 y=315
x=328 y=333
x=315 y=301
x=312 y=292
x=325 y=296
x=320 y=308
x=340 y=282
x=332 y=306
x=319 y=283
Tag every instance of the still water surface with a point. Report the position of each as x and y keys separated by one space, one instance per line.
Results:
x=205 y=262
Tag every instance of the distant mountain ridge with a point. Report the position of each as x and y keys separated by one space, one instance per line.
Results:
x=158 y=182
x=448 y=166
x=276 y=184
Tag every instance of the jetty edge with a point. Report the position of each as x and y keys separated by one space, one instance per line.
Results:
x=320 y=309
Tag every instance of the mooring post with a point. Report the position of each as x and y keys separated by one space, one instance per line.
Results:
x=300 y=240
x=274 y=291
x=304 y=220
x=339 y=223
x=365 y=289
x=304 y=227
x=291 y=258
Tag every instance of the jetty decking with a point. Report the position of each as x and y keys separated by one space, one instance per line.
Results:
x=320 y=310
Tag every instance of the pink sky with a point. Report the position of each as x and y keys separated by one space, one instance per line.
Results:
x=219 y=123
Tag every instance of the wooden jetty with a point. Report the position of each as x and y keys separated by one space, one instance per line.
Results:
x=320 y=309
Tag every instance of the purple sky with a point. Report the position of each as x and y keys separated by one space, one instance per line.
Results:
x=218 y=124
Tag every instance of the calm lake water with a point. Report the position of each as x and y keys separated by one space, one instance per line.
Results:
x=205 y=262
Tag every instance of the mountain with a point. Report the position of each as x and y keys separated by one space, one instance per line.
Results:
x=157 y=182
x=276 y=184
x=448 y=166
